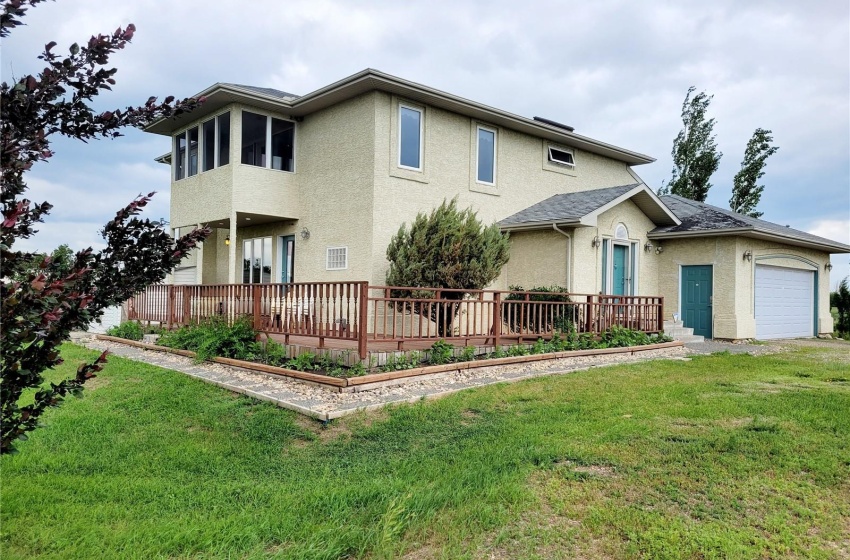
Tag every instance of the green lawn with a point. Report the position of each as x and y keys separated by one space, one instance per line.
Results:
x=720 y=457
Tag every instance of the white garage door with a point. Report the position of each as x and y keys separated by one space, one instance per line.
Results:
x=784 y=302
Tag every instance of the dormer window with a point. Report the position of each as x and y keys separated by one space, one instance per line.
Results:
x=561 y=156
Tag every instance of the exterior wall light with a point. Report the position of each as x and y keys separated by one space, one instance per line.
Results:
x=748 y=255
x=828 y=266
x=595 y=242
x=659 y=250
x=305 y=234
x=648 y=247
x=227 y=240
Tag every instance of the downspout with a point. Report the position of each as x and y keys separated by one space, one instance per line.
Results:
x=569 y=254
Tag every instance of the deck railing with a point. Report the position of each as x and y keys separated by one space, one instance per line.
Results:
x=355 y=311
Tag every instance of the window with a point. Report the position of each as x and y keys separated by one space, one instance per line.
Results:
x=337 y=258
x=192 y=134
x=621 y=231
x=410 y=138
x=486 y=156
x=561 y=156
x=193 y=154
x=209 y=145
x=223 y=122
x=254 y=139
x=257 y=261
x=179 y=157
x=283 y=137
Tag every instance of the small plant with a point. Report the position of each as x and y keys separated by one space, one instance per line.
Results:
x=269 y=352
x=305 y=361
x=468 y=354
x=517 y=350
x=441 y=353
x=334 y=367
x=130 y=330
x=499 y=352
x=539 y=347
x=400 y=362
x=214 y=338
x=356 y=370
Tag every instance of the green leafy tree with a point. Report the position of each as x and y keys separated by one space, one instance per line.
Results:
x=448 y=248
x=43 y=300
x=840 y=299
x=695 y=154
x=746 y=192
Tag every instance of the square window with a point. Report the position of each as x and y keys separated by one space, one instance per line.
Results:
x=337 y=258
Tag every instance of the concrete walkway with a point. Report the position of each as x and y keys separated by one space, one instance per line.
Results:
x=325 y=405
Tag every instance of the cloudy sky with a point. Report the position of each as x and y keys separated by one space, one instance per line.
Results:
x=615 y=70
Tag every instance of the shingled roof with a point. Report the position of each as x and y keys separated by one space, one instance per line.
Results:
x=581 y=208
x=699 y=218
x=264 y=91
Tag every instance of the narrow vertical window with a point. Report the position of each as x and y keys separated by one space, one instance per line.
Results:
x=209 y=145
x=257 y=262
x=266 y=271
x=246 y=261
x=179 y=157
x=410 y=138
x=192 y=134
x=224 y=139
x=283 y=137
x=254 y=139
x=486 y=156
x=605 y=244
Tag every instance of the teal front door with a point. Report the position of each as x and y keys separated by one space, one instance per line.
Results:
x=696 y=298
x=618 y=282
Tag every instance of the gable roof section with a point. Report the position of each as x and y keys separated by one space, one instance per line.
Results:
x=699 y=219
x=222 y=94
x=581 y=209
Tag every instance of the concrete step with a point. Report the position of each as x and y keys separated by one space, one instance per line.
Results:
x=690 y=338
x=678 y=331
x=673 y=324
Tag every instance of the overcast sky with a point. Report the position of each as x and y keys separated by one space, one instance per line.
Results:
x=615 y=70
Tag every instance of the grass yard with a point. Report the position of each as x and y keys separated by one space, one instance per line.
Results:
x=720 y=457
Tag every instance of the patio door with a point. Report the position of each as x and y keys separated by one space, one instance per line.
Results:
x=287 y=259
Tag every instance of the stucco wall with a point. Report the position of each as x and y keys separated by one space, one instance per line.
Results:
x=734 y=278
x=523 y=177
x=538 y=258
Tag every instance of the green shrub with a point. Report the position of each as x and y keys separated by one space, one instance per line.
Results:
x=441 y=353
x=468 y=354
x=305 y=361
x=403 y=361
x=268 y=352
x=130 y=330
x=559 y=318
x=214 y=338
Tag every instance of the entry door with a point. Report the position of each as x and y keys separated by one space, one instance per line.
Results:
x=696 y=298
x=620 y=258
x=287 y=259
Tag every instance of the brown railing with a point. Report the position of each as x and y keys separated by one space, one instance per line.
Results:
x=355 y=311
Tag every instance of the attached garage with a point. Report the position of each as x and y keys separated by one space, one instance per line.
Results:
x=784 y=302
x=185 y=275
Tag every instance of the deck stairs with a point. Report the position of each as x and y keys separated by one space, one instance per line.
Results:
x=679 y=331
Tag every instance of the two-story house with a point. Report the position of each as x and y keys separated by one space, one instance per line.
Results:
x=312 y=188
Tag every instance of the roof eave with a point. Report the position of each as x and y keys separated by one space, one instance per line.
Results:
x=828 y=247
x=530 y=226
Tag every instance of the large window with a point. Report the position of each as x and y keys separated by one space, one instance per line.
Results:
x=486 y=156
x=257 y=260
x=258 y=131
x=410 y=138
x=195 y=149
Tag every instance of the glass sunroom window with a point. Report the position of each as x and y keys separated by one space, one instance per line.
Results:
x=179 y=157
x=209 y=145
x=283 y=138
x=192 y=134
x=253 y=139
x=486 y=156
x=223 y=139
x=410 y=138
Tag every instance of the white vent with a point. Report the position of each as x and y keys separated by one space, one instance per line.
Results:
x=562 y=157
x=337 y=258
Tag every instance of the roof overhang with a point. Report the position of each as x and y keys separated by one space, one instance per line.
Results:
x=220 y=95
x=826 y=245
x=643 y=197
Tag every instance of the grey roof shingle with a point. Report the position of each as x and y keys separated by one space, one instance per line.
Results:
x=566 y=207
x=264 y=90
x=699 y=216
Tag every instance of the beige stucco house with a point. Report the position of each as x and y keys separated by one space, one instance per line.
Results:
x=311 y=188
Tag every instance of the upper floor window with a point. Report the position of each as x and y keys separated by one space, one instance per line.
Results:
x=197 y=148
x=410 y=138
x=259 y=133
x=561 y=156
x=486 y=156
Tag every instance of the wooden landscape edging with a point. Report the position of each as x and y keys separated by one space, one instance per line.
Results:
x=400 y=374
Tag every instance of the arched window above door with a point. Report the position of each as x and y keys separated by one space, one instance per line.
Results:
x=621 y=232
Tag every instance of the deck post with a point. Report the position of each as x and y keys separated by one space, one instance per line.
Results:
x=363 y=315
x=256 y=295
x=187 y=304
x=169 y=306
x=497 y=318
x=589 y=314
x=660 y=324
